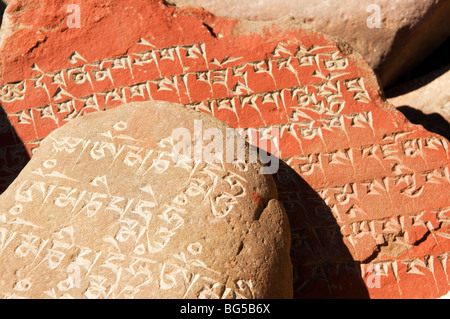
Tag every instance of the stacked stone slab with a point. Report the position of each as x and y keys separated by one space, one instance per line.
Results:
x=366 y=191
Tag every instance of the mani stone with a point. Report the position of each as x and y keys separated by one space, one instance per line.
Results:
x=104 y=210
x=393 y=36
x=365 y=190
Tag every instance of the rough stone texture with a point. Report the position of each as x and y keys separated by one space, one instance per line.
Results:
x=410 y=29
x=104 y=210
x=429 y=94
x=364 y=189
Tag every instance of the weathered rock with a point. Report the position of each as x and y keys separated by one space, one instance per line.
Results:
x=429 y=94
x=105 y=210
x=408 y=30
x=366 y=191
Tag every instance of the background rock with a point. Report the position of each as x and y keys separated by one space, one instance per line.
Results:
x=429 y=93
x=425 y=100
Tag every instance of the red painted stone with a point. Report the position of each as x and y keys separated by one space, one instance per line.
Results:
x=367 y=192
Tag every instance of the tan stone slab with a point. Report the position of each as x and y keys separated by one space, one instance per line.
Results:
x=105 y=209
x=429 y=94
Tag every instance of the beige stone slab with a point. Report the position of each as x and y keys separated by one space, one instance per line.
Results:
x=105 y=210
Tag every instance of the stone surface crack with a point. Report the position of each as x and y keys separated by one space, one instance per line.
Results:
x=168 y=3
x=210 y=29
x=38 y=43
x=257 y=217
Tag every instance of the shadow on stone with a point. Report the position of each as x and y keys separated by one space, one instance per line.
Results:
x=434 y=48
x=415 y=84
x=2 y=10
x=432 y=122
x=323 y=265
x=427 y=71
x=13 y=154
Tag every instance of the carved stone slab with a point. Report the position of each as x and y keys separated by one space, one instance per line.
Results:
x=366 y=191
x=393 y=36
x=104 y=210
